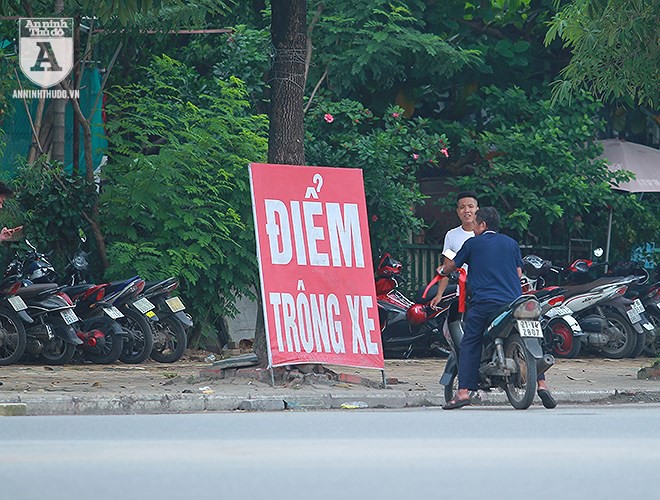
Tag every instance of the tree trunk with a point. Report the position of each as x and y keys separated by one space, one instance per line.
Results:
x=58 y=108
x=287 y=82
x=288 y=33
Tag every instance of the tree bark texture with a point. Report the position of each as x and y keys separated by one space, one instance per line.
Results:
x=287 y=82
x=288 y=33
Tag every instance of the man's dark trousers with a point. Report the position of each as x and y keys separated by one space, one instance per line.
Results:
x=473 y=335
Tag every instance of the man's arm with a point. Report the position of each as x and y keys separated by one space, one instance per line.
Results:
x=443 y=271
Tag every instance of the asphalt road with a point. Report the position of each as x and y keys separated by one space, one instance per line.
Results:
x=571 y=452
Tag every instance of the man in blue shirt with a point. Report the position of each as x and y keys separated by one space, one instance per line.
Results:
x=495 y=270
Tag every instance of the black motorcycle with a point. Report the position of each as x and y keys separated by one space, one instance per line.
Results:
x=408 y=327
x=512 y=355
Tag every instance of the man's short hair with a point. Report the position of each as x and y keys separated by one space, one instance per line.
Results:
x=6 y=190
x=467 y=194
x=490 y=216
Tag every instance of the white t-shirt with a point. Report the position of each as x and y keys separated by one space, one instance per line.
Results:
x=455 y=238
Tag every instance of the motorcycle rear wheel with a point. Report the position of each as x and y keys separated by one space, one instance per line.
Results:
x=622 y=344
x=652 y=341
x=139 y=349
x=564 y=344
x=520 y=387
x=12 y=337
x=113 y=341
x=170 y=340
x=57 y=352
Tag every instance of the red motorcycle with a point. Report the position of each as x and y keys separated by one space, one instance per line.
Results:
x=409 y=327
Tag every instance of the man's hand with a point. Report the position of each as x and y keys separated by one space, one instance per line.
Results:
x=10 y=234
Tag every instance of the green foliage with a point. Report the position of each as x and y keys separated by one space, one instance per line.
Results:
x=177 y=200
x=380 y=48
x=538 y=165
x=614 y=47
x=49 y=203
x=389 y=149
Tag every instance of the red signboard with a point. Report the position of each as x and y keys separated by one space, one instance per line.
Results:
x=315 y=262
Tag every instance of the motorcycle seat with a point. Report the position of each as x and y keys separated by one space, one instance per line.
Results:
x=587 y=287
x=76 y=290
x=149 y=285
x=30 y=291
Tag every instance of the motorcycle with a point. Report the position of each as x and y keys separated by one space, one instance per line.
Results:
x=512 y=355
x=562 y=332
x=647 y=291
x=100 y=339
x=405 y=326
x=600 y=309
x=13 y=338
x=170 y=336
x=135 y=314
x=50 y=322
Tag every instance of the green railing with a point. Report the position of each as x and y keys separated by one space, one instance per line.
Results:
x=420 y=261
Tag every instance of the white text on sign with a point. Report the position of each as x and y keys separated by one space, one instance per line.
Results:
x=309 y=323
x=289 y=227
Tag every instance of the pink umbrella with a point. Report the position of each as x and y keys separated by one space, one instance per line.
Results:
x=641 y=160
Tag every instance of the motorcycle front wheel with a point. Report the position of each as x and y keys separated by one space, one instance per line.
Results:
x=12 y=337
x=451 y=388
x=139 y=348
x=520 y=387
x=170 y=340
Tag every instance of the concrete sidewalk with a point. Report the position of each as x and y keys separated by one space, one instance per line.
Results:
x=193 y=385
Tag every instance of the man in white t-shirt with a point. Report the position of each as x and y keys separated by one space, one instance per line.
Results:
x=467 y=205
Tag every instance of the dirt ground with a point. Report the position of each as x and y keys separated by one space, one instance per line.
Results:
x=586 y=374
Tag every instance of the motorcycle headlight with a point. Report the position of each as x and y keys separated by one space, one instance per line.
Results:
x=80 y=262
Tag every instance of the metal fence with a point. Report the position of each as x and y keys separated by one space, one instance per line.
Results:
x=420 y=261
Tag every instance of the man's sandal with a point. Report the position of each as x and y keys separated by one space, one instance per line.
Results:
x=457 y=403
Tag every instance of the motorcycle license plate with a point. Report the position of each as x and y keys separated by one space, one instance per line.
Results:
x=559 y=311
x=637 y=306
x=113 y=312
x=175 y=304
x=69 y=316
x=530 y=329
x=633 y=316
x=17 y=303
x=143 y=305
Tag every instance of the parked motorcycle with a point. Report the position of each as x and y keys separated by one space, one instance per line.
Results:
x=170 y=336
x=13 y=338
x=512 y=355
x=600 y=309
x=562 y=332
x=647 y=291
x=137 y=313
x=405 y=326
x=99 y=337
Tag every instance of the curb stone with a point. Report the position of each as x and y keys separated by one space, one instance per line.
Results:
x=13 y=409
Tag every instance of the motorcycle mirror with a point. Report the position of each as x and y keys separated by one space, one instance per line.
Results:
x=598 y=252
x=82 y=235
x=30 y=244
